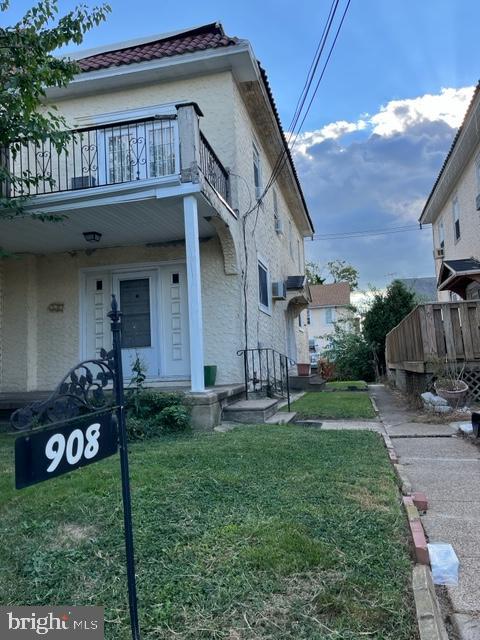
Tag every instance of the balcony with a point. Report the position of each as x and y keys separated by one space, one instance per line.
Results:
x=146 y=150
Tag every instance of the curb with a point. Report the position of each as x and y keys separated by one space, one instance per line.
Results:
x=429 y=617
x=417 y=532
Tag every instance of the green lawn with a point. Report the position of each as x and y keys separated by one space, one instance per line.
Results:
x=337 y=406
x=346 y=385
x=273 y=532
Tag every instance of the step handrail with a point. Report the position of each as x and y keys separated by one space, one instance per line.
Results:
x=270 y=362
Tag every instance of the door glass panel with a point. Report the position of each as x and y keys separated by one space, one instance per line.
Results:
x=135 y=307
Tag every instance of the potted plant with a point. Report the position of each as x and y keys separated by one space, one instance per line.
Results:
x=303 y=368
x=450 y=385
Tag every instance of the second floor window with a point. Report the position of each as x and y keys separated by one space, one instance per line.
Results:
x=309 y=316
x=257 y=173
x=330 y=315
x=441 y=235
x=456 y=218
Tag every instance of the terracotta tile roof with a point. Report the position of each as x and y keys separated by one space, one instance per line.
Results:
x=330 y=295
x=209 y=36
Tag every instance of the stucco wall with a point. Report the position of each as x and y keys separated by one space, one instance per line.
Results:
x=39 y=345
x=466 y=190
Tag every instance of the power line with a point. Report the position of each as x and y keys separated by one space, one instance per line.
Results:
x=283 y=155
x=364 y=234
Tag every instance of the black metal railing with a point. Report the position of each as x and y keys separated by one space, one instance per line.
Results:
x=93 y=157
x=213 y=170
x=266 y=372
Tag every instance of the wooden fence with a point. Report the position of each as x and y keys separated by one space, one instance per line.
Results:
x=447 y=330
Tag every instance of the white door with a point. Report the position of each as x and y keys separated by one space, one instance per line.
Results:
x=137 y=298
x=154 y=310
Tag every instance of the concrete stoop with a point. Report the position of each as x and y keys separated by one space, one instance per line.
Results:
x=313 y=382
x=254 y=411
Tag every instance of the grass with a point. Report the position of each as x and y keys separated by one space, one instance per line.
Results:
x=347 y=385
x=341 y=405
x=275 y=532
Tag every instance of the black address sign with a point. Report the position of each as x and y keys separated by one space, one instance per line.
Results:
x=51 y=452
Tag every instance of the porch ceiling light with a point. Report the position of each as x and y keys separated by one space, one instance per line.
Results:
x=92 y=236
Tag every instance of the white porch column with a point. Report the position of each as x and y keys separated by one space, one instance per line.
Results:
x=195 y=319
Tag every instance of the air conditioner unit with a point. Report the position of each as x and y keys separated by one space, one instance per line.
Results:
x=279 y=290
x=439 y=253
x=478 y=202
x=83 y=182
x=279 y=226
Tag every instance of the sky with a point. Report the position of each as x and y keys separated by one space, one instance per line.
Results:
x=395 y=90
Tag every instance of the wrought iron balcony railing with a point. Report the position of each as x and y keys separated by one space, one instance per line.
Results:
x=93 y=157
x=213 y=170
x=107 y=155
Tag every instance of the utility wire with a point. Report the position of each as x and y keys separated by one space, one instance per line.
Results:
x=371 y=234
x=283 y=155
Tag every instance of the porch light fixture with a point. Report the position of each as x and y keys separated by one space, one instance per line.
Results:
x=92 y=236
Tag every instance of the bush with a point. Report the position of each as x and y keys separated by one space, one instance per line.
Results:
x=351 y=354
x=151 y=413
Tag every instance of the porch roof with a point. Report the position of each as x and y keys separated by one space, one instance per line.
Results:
x=456 y=275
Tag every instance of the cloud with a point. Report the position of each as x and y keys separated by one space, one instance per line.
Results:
x=379 y=178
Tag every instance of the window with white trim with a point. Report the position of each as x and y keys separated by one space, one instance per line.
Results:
x=300 y=321
x=441 y=234
x=290 y=238
x=330 y=315
x=257 y=172
x=309 y=316
x=456 y=218
x=264 y=298
x=477 y=172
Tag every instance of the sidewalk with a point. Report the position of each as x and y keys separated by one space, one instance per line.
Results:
x=446 y=468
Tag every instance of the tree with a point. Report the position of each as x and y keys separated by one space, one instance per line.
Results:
x=350 y=353
x=28 y=67
x=385 y=312
x=341 y=271
x=313 y=273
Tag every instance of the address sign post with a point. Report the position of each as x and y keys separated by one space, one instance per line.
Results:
x=82 y=421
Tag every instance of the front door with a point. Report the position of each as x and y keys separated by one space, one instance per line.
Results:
x=154 y=307
x=136 y=294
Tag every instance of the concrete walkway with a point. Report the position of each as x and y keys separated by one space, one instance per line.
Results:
x=447 y=469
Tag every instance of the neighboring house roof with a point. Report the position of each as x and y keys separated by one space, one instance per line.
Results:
x=426 y=215
x=336 y=294
x=209 y=36
x=425 y=288
x=456 y=275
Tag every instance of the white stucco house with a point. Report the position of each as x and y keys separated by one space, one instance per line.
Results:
x=330 y=303
x=452 y=208
x=175 y=139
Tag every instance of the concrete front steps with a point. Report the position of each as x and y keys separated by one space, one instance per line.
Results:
x=256 y=411
x=313 y=382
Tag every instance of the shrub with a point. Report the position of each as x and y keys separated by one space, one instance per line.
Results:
x=151 y=413
x=351 y=354
x=326 y=369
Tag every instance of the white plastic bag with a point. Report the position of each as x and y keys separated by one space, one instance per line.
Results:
x=444 y=563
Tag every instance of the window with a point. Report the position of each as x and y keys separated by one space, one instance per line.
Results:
x=330 y=315
x=290 y=238
x=299 y=256
x=275 y=205
x=309 y=316
x=441 y=234
x=477 y=171
x=263 y=287
x=456 y=219
x=257 y=173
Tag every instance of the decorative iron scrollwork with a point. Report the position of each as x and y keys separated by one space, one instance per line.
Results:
x=82 y=390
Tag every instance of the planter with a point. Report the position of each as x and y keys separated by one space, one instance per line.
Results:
x=210 y=374
x=303 y=369
x=455 y=398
